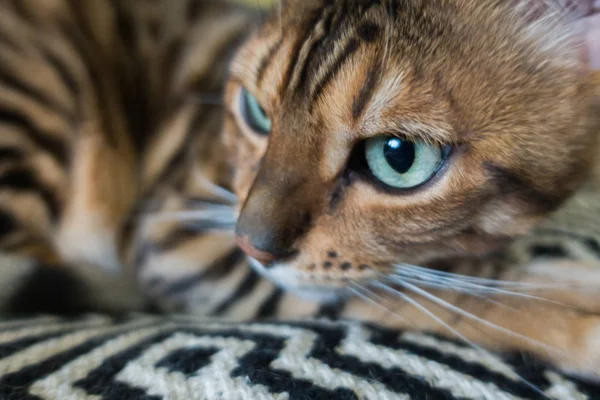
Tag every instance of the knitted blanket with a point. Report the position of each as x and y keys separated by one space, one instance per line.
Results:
x=178 y=357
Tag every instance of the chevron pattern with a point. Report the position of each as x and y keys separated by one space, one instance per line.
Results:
x=154 y=358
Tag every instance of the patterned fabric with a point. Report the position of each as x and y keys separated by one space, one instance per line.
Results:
x=153 y=358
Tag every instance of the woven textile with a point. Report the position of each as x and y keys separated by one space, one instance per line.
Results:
x=154 y=358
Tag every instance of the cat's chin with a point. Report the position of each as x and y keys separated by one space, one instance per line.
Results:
x=281 y=275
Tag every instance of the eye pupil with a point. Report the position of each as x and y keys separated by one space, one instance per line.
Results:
x=399 y=154
x=403 y=164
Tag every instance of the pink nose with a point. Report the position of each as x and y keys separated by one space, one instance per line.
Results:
x=263 y=257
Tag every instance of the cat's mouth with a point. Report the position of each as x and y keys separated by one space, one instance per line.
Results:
x=302 y=284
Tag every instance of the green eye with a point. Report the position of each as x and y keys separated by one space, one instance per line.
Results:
x=254 y=114
x=402 y=164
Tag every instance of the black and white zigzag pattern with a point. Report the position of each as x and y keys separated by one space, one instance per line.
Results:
x=154 y=358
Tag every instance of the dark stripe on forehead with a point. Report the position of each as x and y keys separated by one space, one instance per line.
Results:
x=306 y=29
x=366 y=92
x=351 y=47
x=323 y=52
x=313 y=56
x=266 y=61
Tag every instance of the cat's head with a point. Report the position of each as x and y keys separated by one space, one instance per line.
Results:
x=371 y=133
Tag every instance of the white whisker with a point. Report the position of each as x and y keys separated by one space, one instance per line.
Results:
x=452 y=330
x=210 y=226
x=460 y=311
x=440 y=286
x=215 y=189
x=219 y=214
x=531 y=286
x=356 y=288
x=468 y=287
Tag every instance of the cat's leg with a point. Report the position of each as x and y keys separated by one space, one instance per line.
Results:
x=548 y=308
x=58 y=222
x=66 y=168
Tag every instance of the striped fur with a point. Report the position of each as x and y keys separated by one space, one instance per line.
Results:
x=120 y=142
x=133 y=109
x=102 y=117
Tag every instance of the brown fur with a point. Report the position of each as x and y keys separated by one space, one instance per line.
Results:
x=111 y=127
x=102 y=121
x=499 y=117
x=521 y=113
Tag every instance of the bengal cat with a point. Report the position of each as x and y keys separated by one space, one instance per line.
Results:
x=423 y=164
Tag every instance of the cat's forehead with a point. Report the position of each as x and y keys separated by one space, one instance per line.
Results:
x=306 y=37
x=444 y=69
x=308 y=41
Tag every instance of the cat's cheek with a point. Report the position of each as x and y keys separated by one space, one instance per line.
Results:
x=242 y=184
x=246 y=168
x=245 y=157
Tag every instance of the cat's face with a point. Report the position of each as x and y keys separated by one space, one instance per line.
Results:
x=366 y=134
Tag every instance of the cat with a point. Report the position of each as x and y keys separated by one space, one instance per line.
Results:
x=416 y=164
